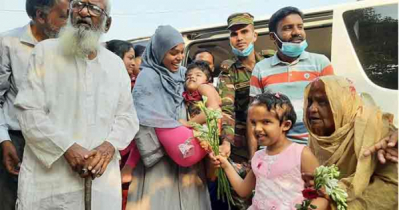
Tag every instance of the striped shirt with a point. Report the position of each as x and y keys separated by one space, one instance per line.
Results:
x=274 y=75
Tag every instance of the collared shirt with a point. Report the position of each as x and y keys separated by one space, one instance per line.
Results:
x=69 y=100
x=234 y=91
x=15 y=49
x=290 y=79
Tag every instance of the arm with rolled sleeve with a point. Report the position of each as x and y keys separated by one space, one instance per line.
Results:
x=126 y=123
x=46 y=141
x=5 y=72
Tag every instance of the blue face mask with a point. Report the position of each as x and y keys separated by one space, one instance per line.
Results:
x=292 y=50
x=245 y=53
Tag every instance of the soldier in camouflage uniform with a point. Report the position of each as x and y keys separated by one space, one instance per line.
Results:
x=234 y=90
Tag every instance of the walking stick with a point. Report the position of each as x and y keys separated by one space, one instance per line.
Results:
x=88 y=182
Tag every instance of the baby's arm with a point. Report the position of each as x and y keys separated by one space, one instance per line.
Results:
x=213 y=102
x=242 y=187
x=309 y=163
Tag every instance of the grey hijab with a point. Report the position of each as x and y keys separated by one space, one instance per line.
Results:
x=158 y=92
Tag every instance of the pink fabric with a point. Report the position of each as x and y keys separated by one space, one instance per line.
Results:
x=278 y=179
x=127 y=149
x=171 y=138
x=134 y=156
x=133 y=152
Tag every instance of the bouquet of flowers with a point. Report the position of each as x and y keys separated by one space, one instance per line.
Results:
x=209 y=134
x=325 y=177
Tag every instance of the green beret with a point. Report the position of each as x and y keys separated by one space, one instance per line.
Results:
x=240 y=19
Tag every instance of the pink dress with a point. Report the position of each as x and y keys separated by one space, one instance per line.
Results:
x=278 y=179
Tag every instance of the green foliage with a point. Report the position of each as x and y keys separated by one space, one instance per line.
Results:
x=210 y=133
x=327 y=177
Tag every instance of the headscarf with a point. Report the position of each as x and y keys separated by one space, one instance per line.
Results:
x=158 y=91
x=357 y=127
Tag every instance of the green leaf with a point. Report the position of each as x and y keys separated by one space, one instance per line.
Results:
x=327 y=177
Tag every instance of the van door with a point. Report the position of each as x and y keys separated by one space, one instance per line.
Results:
x=364 y=49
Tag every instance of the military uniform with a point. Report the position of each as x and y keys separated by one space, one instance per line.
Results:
x=234 y=91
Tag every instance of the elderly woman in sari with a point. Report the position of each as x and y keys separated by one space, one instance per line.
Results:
x=158 y=182
x=341 y=128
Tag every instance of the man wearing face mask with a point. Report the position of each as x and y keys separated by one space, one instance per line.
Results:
x=234 y=90
x=291 y=68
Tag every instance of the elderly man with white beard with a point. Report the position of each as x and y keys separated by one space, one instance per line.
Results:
x=75 y=111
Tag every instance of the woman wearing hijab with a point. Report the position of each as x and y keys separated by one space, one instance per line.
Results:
x=341 y=128
x=159 y=183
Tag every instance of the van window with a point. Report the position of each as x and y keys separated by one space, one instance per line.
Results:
x=374 y=35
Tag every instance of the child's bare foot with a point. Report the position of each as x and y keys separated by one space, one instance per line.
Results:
x=126 y=174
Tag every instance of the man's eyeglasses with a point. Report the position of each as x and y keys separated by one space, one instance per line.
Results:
x=93 y=9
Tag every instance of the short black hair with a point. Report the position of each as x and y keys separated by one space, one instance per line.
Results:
x=202 y=50
x=119 y=47
x=203 y=66
x=31 y=6
x=281 y=14
x=139 y=50
x=273 y=100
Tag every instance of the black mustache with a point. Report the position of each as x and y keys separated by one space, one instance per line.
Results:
x=296 y=38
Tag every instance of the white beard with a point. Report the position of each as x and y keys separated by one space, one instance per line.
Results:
x=80 y=41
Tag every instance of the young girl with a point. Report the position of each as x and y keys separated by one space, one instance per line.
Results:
x=198 y=83
x=276 y=170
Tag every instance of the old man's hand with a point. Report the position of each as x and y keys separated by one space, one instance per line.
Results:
x=386 y=148
x=99 y=158
x=75 y=156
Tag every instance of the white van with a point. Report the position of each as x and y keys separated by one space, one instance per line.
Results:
x=360 y=38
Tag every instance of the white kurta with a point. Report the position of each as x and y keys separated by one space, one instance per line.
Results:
x=69 y=100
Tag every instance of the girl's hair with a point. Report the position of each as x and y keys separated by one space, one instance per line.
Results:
x=119 y=47
x=274 y=100
x=203 y=66
x=139 y=50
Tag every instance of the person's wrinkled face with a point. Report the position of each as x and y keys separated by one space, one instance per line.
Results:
x=241 y=36
x=174 y=57
x=89 y=14
x=319 y=113
x=207 y=57
x=56 y=19
x=194 y=78
x=290 y=29
x=266 y=125
x=130 y=64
